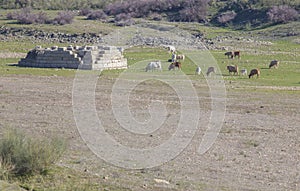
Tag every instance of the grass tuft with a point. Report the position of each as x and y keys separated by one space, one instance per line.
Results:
x=21 y=155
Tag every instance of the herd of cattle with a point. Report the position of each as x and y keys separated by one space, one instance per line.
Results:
x=176 y=64
x=235 y=70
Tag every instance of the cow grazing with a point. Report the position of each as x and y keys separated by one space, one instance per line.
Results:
x=237 y=54
x=243 y=72
x=198 y=70
x=233 y=54
x=233 y=69
x=274 y=63
x=180 y=57
x=175 y=65
x=254 y=72
x=172 y=49
x=228 y=54
x=154 y=66
x=210 y=70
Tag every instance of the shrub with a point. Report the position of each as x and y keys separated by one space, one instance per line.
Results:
x=12 y=16
x=42 y=18
x=124 y=20
x=227 y=16
x=155 y=17
x=6 y=169
x=21 y=155
x=193 y=11
x=65 y=17
x=25 y=16
x=122 y=16
x=95 y=15
x=85 y=12
x=282 y=14
x=177 y=10
x=22 y=3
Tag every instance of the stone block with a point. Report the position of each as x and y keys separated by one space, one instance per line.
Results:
x=62 y=49
x=86 y=57
x=70 y=47
x=54 y=47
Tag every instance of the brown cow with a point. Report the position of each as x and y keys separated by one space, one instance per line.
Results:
x=175 y=65
x=180 y=57
x=274 y=63
x=233 y=69
x=254 y=72
x=233 y=54
x=237 y=54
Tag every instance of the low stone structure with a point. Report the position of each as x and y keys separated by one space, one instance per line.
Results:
x=81 y=57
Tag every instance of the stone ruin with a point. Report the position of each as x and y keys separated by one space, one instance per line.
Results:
x=78 y=57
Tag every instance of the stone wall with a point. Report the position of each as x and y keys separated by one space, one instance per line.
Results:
x=81 y=57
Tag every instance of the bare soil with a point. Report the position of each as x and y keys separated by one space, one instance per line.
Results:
x=257 y=149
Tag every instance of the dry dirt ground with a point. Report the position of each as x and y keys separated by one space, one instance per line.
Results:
x=258 y=147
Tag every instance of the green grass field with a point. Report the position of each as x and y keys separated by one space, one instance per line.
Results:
x=286 y=75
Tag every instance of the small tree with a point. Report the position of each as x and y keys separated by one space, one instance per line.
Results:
x=282 y=14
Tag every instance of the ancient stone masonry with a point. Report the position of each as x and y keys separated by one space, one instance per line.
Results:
x=81 y=57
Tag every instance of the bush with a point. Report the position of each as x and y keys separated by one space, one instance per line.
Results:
x=22 y=3
x=12 y=16
x=21 y=155
x=155 y=17
x=42 y=18
x=6 y=169
x=65 y=17
x=97 y=15
x=193 y=11
x=177 y=10
x=85 y=12
x=282 y=14
x=123 y=20
x=227 y=16
x=25 y=16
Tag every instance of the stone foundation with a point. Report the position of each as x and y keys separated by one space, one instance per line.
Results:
x=78 y=57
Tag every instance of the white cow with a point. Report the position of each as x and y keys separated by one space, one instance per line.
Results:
x=244 y=72
x=172 y=49
x=198 y=70
x=154 y=66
